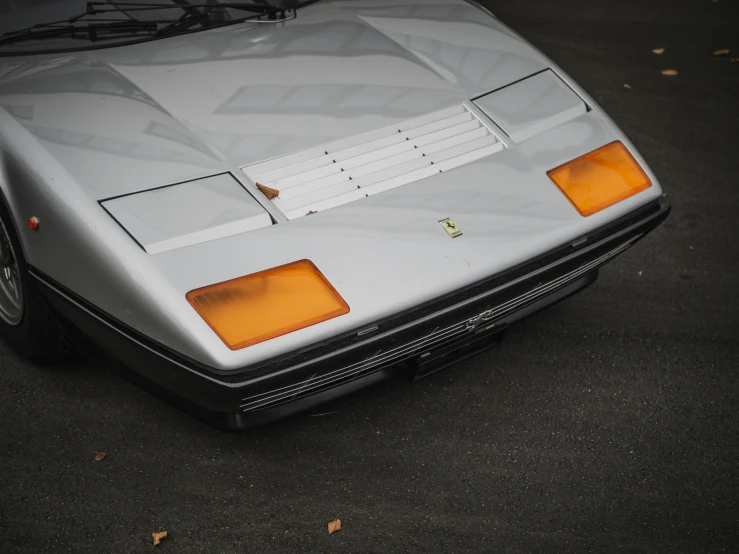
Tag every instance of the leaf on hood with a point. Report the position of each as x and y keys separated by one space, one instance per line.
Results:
x=334 y=526
x=311 y=212
x=721 y=52
x=100 y=456
x=659 y=50
x=159 y=536
x=669 y=72
x=268 y=192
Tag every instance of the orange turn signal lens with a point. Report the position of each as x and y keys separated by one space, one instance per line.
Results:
x=265 y=305
x=601 y=178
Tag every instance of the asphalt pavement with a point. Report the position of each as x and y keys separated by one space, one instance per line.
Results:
x=608 y=423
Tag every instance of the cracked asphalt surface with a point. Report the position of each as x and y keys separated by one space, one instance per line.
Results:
x=607 y=423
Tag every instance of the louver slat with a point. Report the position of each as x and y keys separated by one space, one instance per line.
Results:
x=349 y=169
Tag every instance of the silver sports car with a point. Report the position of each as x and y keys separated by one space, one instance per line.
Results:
x=254 y=208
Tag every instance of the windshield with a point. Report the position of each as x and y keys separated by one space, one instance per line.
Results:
x=37 y=26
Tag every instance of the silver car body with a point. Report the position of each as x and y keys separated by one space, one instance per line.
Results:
x=84 y=134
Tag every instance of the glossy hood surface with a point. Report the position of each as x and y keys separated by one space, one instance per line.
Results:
x=125 y=119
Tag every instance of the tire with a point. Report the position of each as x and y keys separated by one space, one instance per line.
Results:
x=26 y=322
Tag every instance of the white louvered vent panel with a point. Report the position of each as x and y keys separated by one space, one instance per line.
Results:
x=350 y=169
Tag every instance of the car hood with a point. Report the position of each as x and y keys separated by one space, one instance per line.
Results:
x=107 y=123
x=126 y=119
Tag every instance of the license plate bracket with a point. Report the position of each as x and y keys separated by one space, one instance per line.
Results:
x=448 y=353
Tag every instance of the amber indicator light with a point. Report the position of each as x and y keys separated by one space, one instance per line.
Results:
x=258 y=307
x=600 y=178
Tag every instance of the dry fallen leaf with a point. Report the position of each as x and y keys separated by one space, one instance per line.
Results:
x=734 y=60
x=659 y=50
x=268 y=192
x=670 y=72
x=640 y=272
x=721 y=52
x=311 y=212
x=334 y=526
x=159 y=536
x=99 y=456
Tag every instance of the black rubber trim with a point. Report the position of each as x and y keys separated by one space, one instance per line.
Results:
x=219 y=403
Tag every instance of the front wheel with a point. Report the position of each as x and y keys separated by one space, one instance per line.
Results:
x=26 y=323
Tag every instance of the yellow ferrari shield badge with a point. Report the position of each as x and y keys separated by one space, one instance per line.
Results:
x=451 y=227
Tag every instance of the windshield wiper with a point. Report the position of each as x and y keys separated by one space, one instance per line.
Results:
x=90 y=31
x=82 y=26
x=273 y=9
x=187 y=6
x=200 y=14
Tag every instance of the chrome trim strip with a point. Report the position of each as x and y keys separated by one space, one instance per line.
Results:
x=356 y=368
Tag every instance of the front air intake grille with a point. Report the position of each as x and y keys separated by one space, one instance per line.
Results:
x=350 y=169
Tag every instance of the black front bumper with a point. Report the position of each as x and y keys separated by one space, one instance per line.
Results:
x=444 y=330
